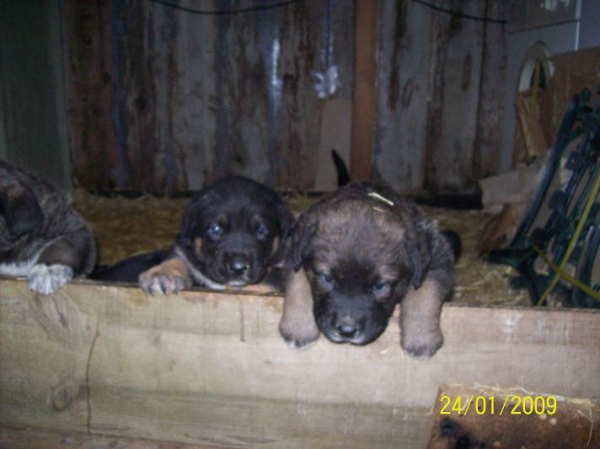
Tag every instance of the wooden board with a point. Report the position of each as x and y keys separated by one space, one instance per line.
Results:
x=364 y=96
x=439 y=90
x=573 y=72
x=17 y=437
x=210 y=368
x=404 y=84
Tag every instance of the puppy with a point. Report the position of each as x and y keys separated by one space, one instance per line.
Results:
x=128 y=270
x=233 y=234
x=41 y=236
x=358 y=253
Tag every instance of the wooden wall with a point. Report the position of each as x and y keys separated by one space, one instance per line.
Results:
x=33 y=122
x=169 y=99
x=165 y=99
x=440 y=85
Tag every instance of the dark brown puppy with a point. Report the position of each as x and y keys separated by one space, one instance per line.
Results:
x=233 y=233
x=41 y=236
x=357 y=254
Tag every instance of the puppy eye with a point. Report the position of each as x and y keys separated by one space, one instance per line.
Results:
x=214 y=230
x=326 y=278
x=381 y=287
x=262 y=231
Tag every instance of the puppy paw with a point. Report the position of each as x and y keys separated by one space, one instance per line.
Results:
x=297 y=326
x=422 y=346
x=171 y=276
x=299 y=338
x=47 y=279
x=299 y=343
x=162 y=283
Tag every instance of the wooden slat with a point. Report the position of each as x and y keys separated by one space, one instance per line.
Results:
x=210 y=368
x=404 y=84
x=573 y=72
x=16 y=437
x=365 y=94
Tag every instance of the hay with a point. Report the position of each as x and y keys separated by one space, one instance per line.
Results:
x=477 y=281
x=125 y=227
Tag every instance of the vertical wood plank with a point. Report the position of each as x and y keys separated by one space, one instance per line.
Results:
x=486 y=157
x=404 y=85
x=364 y=97
x=452 y=115
x=89 y=91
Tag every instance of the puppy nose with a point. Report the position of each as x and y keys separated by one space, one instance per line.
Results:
x=238 y=265
x=347 y=330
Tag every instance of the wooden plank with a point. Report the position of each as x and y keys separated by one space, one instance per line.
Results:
x=335 y=133
x=16 y=437
x=439 y=83
x=573 y=72
x=404 y=84
x=486 y=154
x=454 y=98
x=92 y=136
x=210 y=368
x=365 y=94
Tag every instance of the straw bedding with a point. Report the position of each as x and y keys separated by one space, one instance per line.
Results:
x=125 y=227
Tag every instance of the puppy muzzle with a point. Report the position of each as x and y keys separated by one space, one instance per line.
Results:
x=239 y=262
x=344 y=328
x=237 y=269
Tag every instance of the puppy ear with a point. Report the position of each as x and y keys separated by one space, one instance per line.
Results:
x=302 y=236
x=22 y=214
x=191 y=216
x=286 y=221
x=286 y=224
x=418 y=262
x=188 y=222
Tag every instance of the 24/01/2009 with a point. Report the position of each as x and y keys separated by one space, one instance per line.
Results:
x=492 y=405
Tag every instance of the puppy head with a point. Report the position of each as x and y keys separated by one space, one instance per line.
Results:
x=360 y=257
x=234 y=230
x=20 y=215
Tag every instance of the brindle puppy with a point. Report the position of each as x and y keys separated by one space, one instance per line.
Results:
x=233 y=234
x=41 y=236
x=357 y=254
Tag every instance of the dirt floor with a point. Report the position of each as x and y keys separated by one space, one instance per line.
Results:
x=125 y=227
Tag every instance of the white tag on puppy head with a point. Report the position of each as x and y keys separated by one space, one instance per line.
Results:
x=378 y=197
